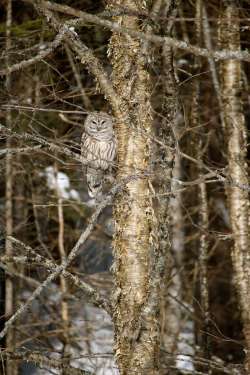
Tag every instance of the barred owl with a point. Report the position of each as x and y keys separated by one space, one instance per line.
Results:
x=99 y=148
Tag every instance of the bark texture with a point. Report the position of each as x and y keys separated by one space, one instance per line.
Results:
x=237 y=167
x=168 y=214
x=203 y=219
x=139 y=261
x=10 y=342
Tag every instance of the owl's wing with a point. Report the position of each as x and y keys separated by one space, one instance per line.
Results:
x=88 y=150
x=84 y=145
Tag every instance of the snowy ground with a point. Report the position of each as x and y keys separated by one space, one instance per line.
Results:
x=93 y=335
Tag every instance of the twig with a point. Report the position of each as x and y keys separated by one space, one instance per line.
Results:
x=214 y=74
x=19 y=150
x=40 y=109
x=86 y=102
x=13 y=273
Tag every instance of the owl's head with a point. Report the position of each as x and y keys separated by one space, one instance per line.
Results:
x=99 y=125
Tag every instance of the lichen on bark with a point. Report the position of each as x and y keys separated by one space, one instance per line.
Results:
x=141 y=238
x=136 y=306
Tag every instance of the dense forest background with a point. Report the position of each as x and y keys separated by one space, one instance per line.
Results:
x=154 y=278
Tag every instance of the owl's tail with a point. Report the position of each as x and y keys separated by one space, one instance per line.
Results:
x=94 y=182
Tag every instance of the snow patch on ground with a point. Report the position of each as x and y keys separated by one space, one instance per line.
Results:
x=60 y=180
x=97 y=353
x=93 y=333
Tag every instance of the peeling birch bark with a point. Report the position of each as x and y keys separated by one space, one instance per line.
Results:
x=237 y=167
x=139 y=261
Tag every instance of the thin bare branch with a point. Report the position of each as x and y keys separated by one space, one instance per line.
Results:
x=172 y=42
x=41 y=55
x=42 y=361
x=19 y=150
x=86 y=102
x=84 y=53
x=92 y=294
x=29 y=137
x=73 y=253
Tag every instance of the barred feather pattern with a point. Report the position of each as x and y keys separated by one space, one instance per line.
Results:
x=98 y=146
